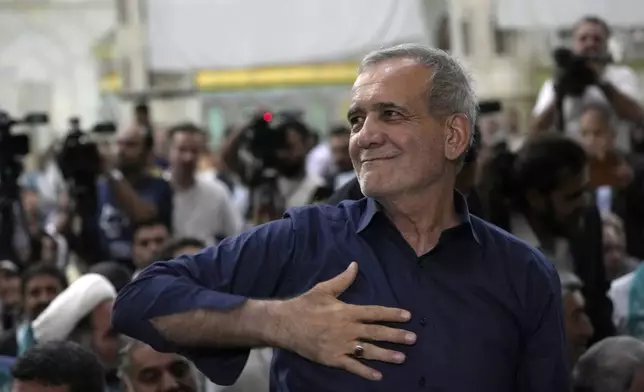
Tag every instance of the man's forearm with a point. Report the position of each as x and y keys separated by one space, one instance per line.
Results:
x=625 y=106
x=134 y=207
x=544 y=120
x=256 y=323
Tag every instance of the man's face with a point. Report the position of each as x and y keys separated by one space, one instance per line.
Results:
x=579 y=329
x=105 y=342
x=614 y=249
x=596 y=134
x=35 y=386
x=491 y=132
x=131 y=152
x=340 y=152
x=11 y=292
x=292 y=158
x=512 y=121
x=564 y=207
x=396 y=146
x=152 y=371
x=148 y=242
x=589 y=39
x=185 y=150
x=40 y=290
x=48 y=250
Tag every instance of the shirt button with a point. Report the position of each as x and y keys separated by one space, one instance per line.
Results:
x=421 y=382
x=423 y=321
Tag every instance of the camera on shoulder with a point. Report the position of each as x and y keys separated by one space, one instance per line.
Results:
x=573 y=73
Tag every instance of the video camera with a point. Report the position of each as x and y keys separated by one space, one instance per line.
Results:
x=12 y=148
x=262 y=139
x=80 y=162
x=573 y=72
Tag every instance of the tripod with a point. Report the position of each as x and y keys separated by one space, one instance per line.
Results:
x=10 y=170
x=266 y=201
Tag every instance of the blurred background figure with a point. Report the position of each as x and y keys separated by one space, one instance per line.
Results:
x=615 y=364
x=121 y=147
x=579 y=329
x=142 y=369
x=58 y=365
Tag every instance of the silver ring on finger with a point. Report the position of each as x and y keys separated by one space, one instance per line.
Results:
x=358 y=351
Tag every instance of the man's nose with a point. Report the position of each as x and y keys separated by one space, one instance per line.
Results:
x=372 y=132
x=587 y=329
x=170 y=383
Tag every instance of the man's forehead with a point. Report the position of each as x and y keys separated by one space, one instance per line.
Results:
x=402 y=74
x=145 y=356
x=130 y=132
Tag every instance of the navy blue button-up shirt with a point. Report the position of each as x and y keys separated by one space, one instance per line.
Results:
x=485 y=306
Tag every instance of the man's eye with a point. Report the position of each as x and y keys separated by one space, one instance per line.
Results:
x=356 y=120
x=392 y=114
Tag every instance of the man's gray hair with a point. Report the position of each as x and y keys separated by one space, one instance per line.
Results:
x=610 y=365
x=570 y=283
x=127 y=345
x=449 y=88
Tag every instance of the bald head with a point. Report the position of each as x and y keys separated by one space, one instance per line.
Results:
x=615 y=364
x=133 y=147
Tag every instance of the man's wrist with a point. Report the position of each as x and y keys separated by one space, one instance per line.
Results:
x=265 y=322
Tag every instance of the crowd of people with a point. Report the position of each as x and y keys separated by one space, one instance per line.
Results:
x=183 y=240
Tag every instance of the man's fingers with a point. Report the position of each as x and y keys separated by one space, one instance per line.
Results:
x=379 y=333
x=382 y=313
x=340 y=283
x=375 y=353
x=351 y=365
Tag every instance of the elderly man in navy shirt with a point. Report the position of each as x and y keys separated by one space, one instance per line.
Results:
x=402 y=290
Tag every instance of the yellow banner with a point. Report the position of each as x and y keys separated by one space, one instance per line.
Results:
x=300 y=75
x=237 y=79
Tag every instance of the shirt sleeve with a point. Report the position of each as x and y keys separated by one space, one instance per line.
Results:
x=545 y=99
x=544 y=366
x=627 y=82
x=250 y=265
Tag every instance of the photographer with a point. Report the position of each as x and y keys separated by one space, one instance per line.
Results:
x=596 y=81
x=130 y=194
x=282 y=147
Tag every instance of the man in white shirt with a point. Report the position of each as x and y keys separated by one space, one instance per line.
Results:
x=202 y=208
x=617 y=86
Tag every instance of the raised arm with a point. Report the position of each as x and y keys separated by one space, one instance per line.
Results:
x=174 y=305
x=214 y=306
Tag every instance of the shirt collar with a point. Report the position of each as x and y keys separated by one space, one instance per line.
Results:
x=460 y=205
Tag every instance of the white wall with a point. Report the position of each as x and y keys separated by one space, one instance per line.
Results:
x=46 y=62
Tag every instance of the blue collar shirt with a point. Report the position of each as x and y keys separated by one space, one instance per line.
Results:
x=486 y=307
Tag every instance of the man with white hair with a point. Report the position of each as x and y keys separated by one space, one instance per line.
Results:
x=615 y=364
x=143 y=369
x=442 y=301
x=579 y=329
x=82 y=313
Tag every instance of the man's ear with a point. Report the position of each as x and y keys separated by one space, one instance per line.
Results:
x=458 y=136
